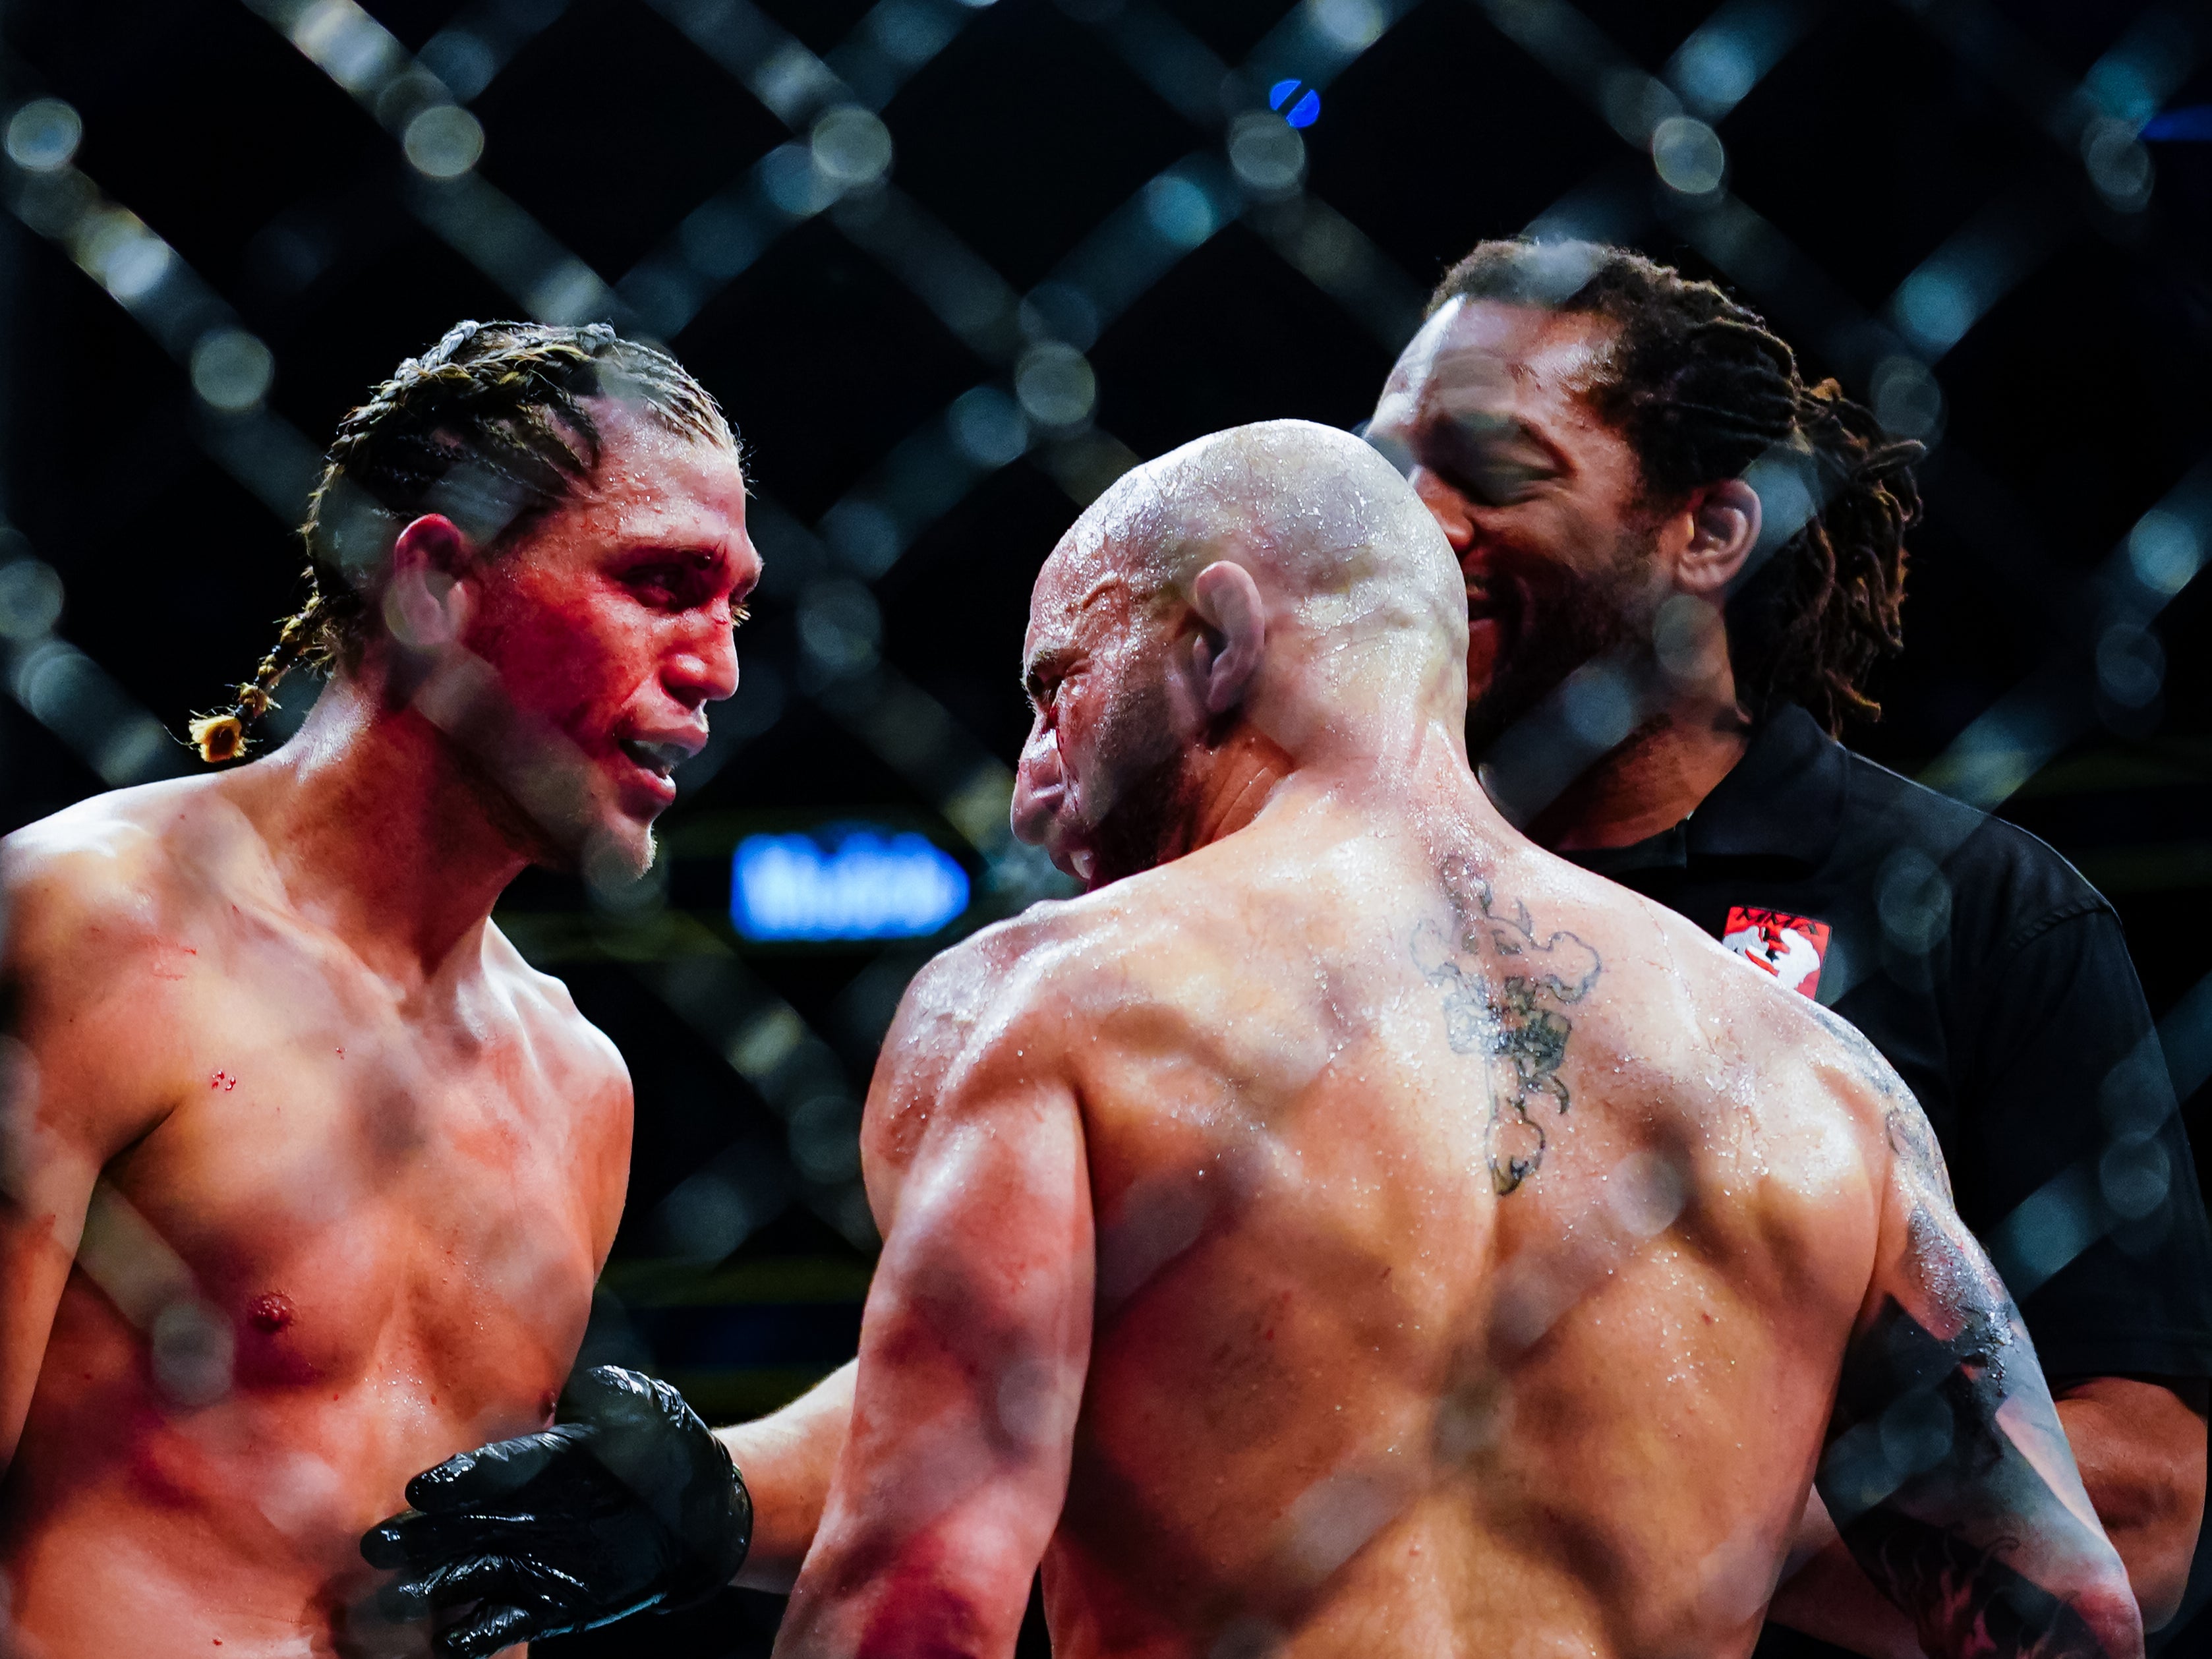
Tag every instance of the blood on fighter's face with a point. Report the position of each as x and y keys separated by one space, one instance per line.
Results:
x=1104 y=723
x=610 y=620
x=1540 y=497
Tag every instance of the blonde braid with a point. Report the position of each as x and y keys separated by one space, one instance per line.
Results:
x=221 y=737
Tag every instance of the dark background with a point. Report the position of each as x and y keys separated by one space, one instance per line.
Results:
x=897 y=345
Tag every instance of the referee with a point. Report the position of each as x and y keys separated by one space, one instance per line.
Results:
x=1682 y=560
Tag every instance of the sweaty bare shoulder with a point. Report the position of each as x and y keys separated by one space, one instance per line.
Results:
x=83 y=879
x=549 y=1019
x=93 y=895
x=1871 y=1085
x=587 y=1072
x=987 y=1001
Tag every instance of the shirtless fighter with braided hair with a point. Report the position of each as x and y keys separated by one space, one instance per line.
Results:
x=304 y=1175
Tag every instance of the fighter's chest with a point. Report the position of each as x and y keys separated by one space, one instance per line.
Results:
x=354 y=1186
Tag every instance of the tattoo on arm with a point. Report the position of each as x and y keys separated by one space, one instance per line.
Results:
x=1964 y=1600
x=1935 y=1501
x=1498 y=981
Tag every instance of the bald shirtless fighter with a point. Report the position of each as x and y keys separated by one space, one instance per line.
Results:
x=1348 y=1229
x=307 y=1176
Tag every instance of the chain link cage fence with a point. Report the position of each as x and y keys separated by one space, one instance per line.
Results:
x=954 y=265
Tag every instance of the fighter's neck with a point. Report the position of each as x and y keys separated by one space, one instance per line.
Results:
x=1237 y=788
x=1649 y=783
x=379 y=836
x=1255 y=775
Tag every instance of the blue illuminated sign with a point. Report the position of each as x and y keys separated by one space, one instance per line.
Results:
x=851 y=883
x=1303 y=113
x=2194 y=121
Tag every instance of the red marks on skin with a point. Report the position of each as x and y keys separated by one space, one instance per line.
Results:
x=222 y=1081
x=271 y=1314
x=923 y=1610
x=341 y=1053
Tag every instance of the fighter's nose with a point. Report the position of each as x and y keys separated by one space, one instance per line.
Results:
x=1039 y=788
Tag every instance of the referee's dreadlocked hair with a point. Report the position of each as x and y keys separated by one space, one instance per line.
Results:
x=489 y=427
x=1701 y=388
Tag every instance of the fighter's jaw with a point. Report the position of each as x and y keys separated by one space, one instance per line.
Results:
x=593 y=810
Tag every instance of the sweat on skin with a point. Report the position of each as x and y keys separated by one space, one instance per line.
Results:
x=1349 y=1230
x=1242 y=1332
x=343 y=1167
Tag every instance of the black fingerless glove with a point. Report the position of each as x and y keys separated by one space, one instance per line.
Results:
x=628 y=1504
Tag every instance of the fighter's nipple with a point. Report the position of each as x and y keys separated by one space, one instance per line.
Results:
x=270 y=1313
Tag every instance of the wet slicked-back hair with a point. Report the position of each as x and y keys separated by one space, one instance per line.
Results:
x=1701 y=388
x=489 y=427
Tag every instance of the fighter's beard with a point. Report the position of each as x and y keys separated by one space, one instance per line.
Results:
x=1146 y=793
x=533 y=782
x=1148 y=824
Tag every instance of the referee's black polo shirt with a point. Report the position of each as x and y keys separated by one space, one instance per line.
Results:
x=1998 y=985
x=1996 y=980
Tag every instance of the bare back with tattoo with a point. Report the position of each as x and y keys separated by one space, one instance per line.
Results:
x=1363 y=1234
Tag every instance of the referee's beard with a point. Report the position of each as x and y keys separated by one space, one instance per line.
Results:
x=1551 y=621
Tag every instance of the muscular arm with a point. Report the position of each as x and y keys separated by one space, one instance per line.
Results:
x=788 y=1459
x=973 y=1354
x=75 y=1089
x=2140 y=1446
x=45 y=1185
x=1948 y=1473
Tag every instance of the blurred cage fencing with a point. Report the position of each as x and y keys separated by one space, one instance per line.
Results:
x=954 y=267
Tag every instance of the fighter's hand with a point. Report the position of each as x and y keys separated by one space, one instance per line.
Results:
x=628 y=1503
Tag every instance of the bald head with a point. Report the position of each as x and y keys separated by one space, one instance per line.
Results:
x=1262 y=597
x=1334 y=538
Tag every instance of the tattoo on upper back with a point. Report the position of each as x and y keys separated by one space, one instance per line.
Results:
x=1497 y=979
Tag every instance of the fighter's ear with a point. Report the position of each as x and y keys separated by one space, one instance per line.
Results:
x=1724 y=524
x=424 y=606
x=1227 y=653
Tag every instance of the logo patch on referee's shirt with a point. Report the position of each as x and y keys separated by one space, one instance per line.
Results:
x=1789 y=947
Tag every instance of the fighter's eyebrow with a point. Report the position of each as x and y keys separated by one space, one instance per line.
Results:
x=1043 y=664
x=1098 y=590
x=696 y=562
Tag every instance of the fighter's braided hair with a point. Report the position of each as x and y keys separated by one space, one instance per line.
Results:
x=1701 y=388
x=489 y=427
